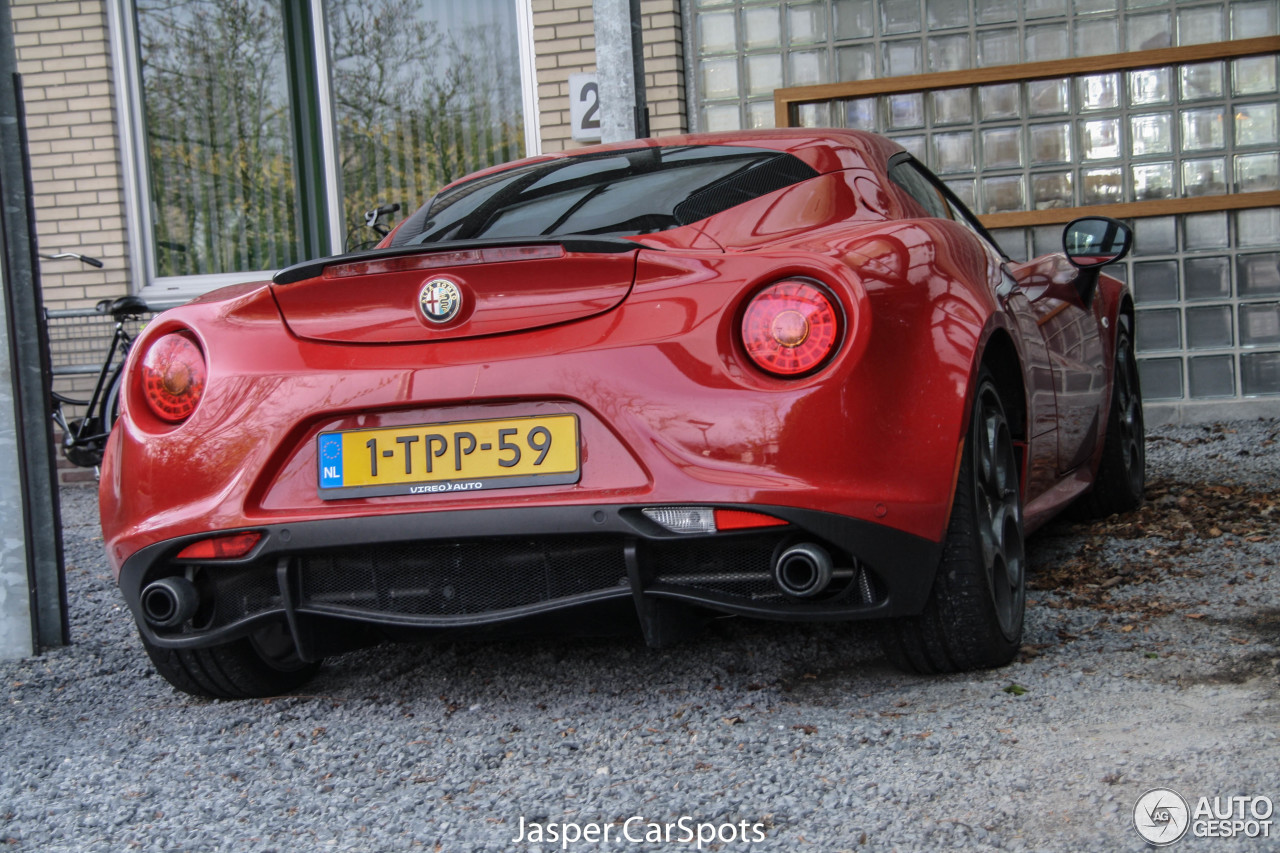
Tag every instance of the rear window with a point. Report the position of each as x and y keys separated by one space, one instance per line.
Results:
x=615 y=193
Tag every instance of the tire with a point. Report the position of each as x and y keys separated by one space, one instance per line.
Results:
x=973 y=618
x=1122 y=474
x=265 y=663
x=111 y=402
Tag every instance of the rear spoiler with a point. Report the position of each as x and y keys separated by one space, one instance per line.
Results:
x=572 y=243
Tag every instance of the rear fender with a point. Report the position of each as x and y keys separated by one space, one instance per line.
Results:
x=933 y=314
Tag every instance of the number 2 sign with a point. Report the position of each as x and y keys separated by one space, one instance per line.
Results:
x=584 y=107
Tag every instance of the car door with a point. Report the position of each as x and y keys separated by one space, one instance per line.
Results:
x=1070 y=330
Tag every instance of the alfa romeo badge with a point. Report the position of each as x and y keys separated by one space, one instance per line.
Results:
x=440 y=300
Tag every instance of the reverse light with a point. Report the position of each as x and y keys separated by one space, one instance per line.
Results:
x=791 y=327
x=437 y=260
x=173 y=375
x=683 y=519
x=705 y=519
x=227 y=547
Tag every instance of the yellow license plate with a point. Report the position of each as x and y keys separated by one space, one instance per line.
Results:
x=464 y=456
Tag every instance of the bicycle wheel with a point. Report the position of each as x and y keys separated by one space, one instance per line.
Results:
x=111 y=400
x=86 y=438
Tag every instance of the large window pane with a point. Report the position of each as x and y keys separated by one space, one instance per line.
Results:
x=218 y=140
x=424 y=93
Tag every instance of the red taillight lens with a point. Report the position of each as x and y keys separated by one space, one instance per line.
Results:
x=173 y=377
x=791 y=327
x=227 y=547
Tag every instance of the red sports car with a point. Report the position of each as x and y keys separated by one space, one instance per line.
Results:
x=778 y=374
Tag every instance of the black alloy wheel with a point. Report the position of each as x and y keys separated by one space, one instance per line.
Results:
x=1122 y=474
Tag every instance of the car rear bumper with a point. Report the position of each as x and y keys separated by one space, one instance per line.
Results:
x=470 y=569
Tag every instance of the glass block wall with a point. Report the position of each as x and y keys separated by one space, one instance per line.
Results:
x=1207 y=285
x=741 y=50
x=1192 y=129
x=1207 y=288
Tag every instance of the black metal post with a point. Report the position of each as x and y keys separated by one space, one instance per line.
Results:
x=637 y=64
x=29 y=357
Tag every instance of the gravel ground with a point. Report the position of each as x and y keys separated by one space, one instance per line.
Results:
x=1151 y=660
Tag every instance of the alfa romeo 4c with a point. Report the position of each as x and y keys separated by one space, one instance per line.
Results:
x=777 y=374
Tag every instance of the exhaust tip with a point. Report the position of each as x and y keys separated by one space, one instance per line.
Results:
x=169 y=602
x=803 y=571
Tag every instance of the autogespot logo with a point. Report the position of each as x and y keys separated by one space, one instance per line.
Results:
x=1161 y=816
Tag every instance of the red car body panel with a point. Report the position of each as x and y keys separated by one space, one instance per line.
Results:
x=644 y=348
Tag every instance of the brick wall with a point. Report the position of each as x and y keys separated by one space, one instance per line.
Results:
x=64 y=58
x=564 y=44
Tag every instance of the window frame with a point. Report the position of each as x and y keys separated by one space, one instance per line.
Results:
x=135 y=167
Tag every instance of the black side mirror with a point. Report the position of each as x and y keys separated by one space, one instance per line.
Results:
x=1090 y=244
x=1096 y=241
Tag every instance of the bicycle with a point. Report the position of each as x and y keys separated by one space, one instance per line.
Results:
x=372 y=221
x=85 y=438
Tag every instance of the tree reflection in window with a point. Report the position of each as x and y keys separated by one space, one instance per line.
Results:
x=219 y=154
x=424 y=92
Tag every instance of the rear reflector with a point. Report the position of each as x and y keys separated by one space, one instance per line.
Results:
x=739 y=519
x=437 y=260
x=221 y=547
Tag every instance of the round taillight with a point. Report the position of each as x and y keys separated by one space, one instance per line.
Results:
x=173 y=377
x=791 y=327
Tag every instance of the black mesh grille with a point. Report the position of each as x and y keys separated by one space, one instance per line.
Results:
x=237 y=592
x=740 y=566
x=461 y=577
